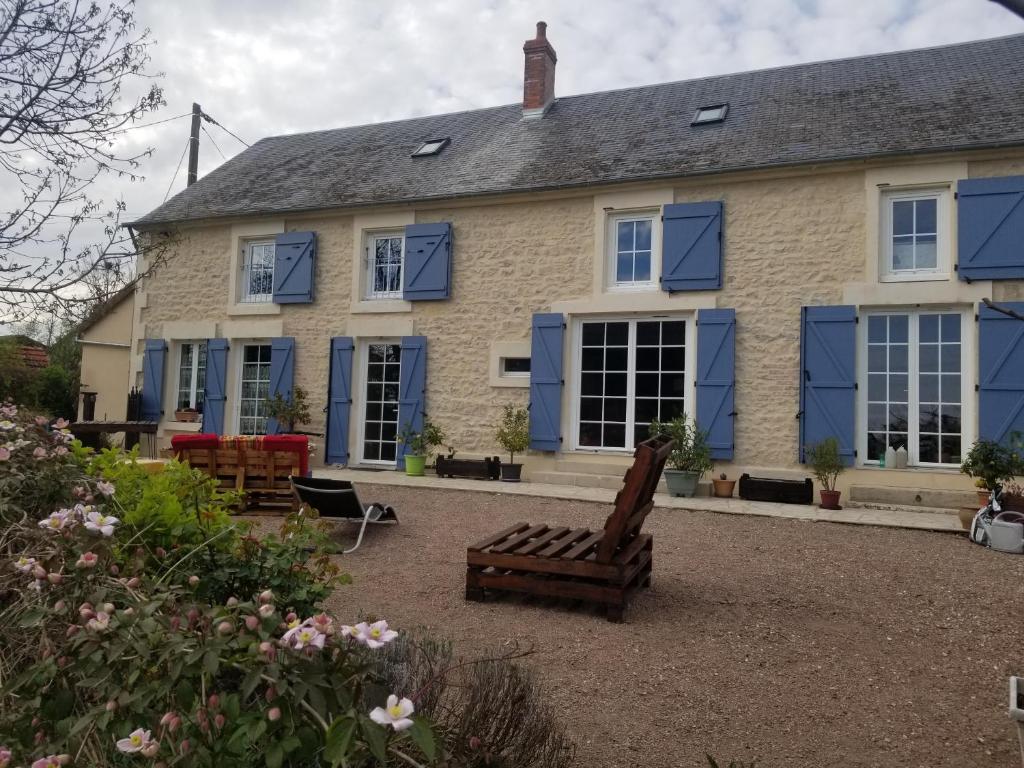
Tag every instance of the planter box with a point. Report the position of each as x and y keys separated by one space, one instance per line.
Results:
x=481 y=469
x=784 y=491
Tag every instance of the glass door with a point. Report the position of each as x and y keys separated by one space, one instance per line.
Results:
x=380 y=394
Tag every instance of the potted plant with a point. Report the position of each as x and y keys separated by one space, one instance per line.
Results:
x=991 y=464
x=289 y=411
x=826 y=466
x=420 y=445
x=723 y=486
x=513 y=435
x=690 y=457
x=186 y=414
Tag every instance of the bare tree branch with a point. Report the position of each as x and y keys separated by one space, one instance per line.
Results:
x=65 y=67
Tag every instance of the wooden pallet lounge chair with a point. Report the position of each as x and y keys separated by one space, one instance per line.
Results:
x=605 y=567
x=337 y=499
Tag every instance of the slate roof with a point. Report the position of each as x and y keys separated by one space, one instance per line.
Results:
x=961 y=96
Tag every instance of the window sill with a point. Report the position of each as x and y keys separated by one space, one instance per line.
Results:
x=181 y=427
x=914 y=277
x=260 y=308
x=511 y=381
x=638 y=288
x=368 y=306
x=915 y=469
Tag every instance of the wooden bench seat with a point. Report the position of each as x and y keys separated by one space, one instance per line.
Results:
x=606 y=566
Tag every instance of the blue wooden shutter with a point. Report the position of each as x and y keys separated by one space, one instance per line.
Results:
x=546 y=342
x=294 y=267
x=691 y=247
x=153 y=359
x=282 y=375
x=412 y=388
x=828 y=377
x=990 y=228
x=427 y=272
x=339 y=400
x=716 y=378
x=215 y=396
x=1000 y=373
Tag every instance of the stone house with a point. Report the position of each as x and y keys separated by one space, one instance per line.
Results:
x=785 y=254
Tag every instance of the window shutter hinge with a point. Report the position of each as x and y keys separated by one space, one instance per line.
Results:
x=856 y=386
x=977 y=317
x=977 y=388
x=855 y=453
x=956 y=267
x=956 y=195
x=856 y=320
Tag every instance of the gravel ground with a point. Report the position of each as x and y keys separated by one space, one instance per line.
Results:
x=799 y=643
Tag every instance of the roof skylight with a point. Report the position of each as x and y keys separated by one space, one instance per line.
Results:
x=431 y=147
x=712 y=114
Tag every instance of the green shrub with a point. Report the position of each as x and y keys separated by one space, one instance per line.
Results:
x=690 y=449
x=826 y=464
x=513 y=433
x=991 y=462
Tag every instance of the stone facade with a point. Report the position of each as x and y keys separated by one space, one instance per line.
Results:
x=790 y=239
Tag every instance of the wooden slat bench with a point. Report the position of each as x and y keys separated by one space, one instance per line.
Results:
x=261 y=477
x=606 y=566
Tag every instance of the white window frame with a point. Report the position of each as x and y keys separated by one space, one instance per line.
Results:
x=943 y=234
x=360 y=400
x=369 y=264
x=193 y=391
x=245 y=262
x=505 y=373
x=239 y=370
x=612 y=246
x=689 y=386
x=968 y=378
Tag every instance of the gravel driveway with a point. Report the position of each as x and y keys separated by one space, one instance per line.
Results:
x=799 y=643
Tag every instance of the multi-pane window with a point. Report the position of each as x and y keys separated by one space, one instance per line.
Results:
x=384 y=266
x=632 y=251
x=914 y=240
x=915 y=386
x=631 y=372
x=258 y=272
x=380 y=427
x=254 y=389
x=191 y=375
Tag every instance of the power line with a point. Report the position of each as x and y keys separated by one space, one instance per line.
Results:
x=214 y=143
x=167 y=194
x=233 y=135
x=155 y=122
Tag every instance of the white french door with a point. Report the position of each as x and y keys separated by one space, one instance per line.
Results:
x=378 y=424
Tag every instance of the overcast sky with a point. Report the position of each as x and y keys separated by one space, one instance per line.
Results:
x=267 y=67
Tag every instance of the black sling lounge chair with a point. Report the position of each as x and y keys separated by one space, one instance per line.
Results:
x=337 y=499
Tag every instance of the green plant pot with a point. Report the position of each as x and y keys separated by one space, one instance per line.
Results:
x=681 y=483
x=414 y=465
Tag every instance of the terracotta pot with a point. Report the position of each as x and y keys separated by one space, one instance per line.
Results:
x=830 y=499
x=983 y=497
x=189 y=416
x=723 y=488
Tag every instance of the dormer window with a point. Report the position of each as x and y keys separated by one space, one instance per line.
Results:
x=712 y=114
x=431 y=147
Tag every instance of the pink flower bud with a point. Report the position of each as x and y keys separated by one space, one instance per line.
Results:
x=274 y=714
x=266 y=610
x=60 y=606
x=85 y=607
x=232 y=602
x=474 y=742
x=87 y=614
x=111 y=705
x=193 y=581
x=150 y=750
x=291 y=617
x=39 y=572
x=134 y=582
x=252 y=623
x=72 y=630
x=160 y=552
x=175 y=622
x=114 y=570
x=36 y=721
x=268 y=649
x=174 y=724
x=214 y=701
x=108 y=608
x=266 y=596
x=167 y=718
x=225 y=628
x=54 y=578
x=40 y=737
x=185 y=745
x=192 y=614
x=219 y=720
x=62 y=662
x=271 y=693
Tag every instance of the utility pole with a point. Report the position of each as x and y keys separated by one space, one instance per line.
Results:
x=193 y=145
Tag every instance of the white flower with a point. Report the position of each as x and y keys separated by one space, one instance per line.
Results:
x=57 y=521
x=24 y=564
x=396 y=714
x=97 y=521
x=35 y=586
x=107 y=489
x=7 y=425
x=302 y=636
x=99 y=623
x=372 y=635
x=136 y=741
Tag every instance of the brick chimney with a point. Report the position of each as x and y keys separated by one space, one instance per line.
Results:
x=539 y=76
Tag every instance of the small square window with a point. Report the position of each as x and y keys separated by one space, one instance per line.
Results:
x=914 y=240
x=431 y=147
x=515 y=366
x=712 y=114
x=257 y=272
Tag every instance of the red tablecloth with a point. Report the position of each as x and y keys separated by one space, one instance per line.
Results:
x=292 y=443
